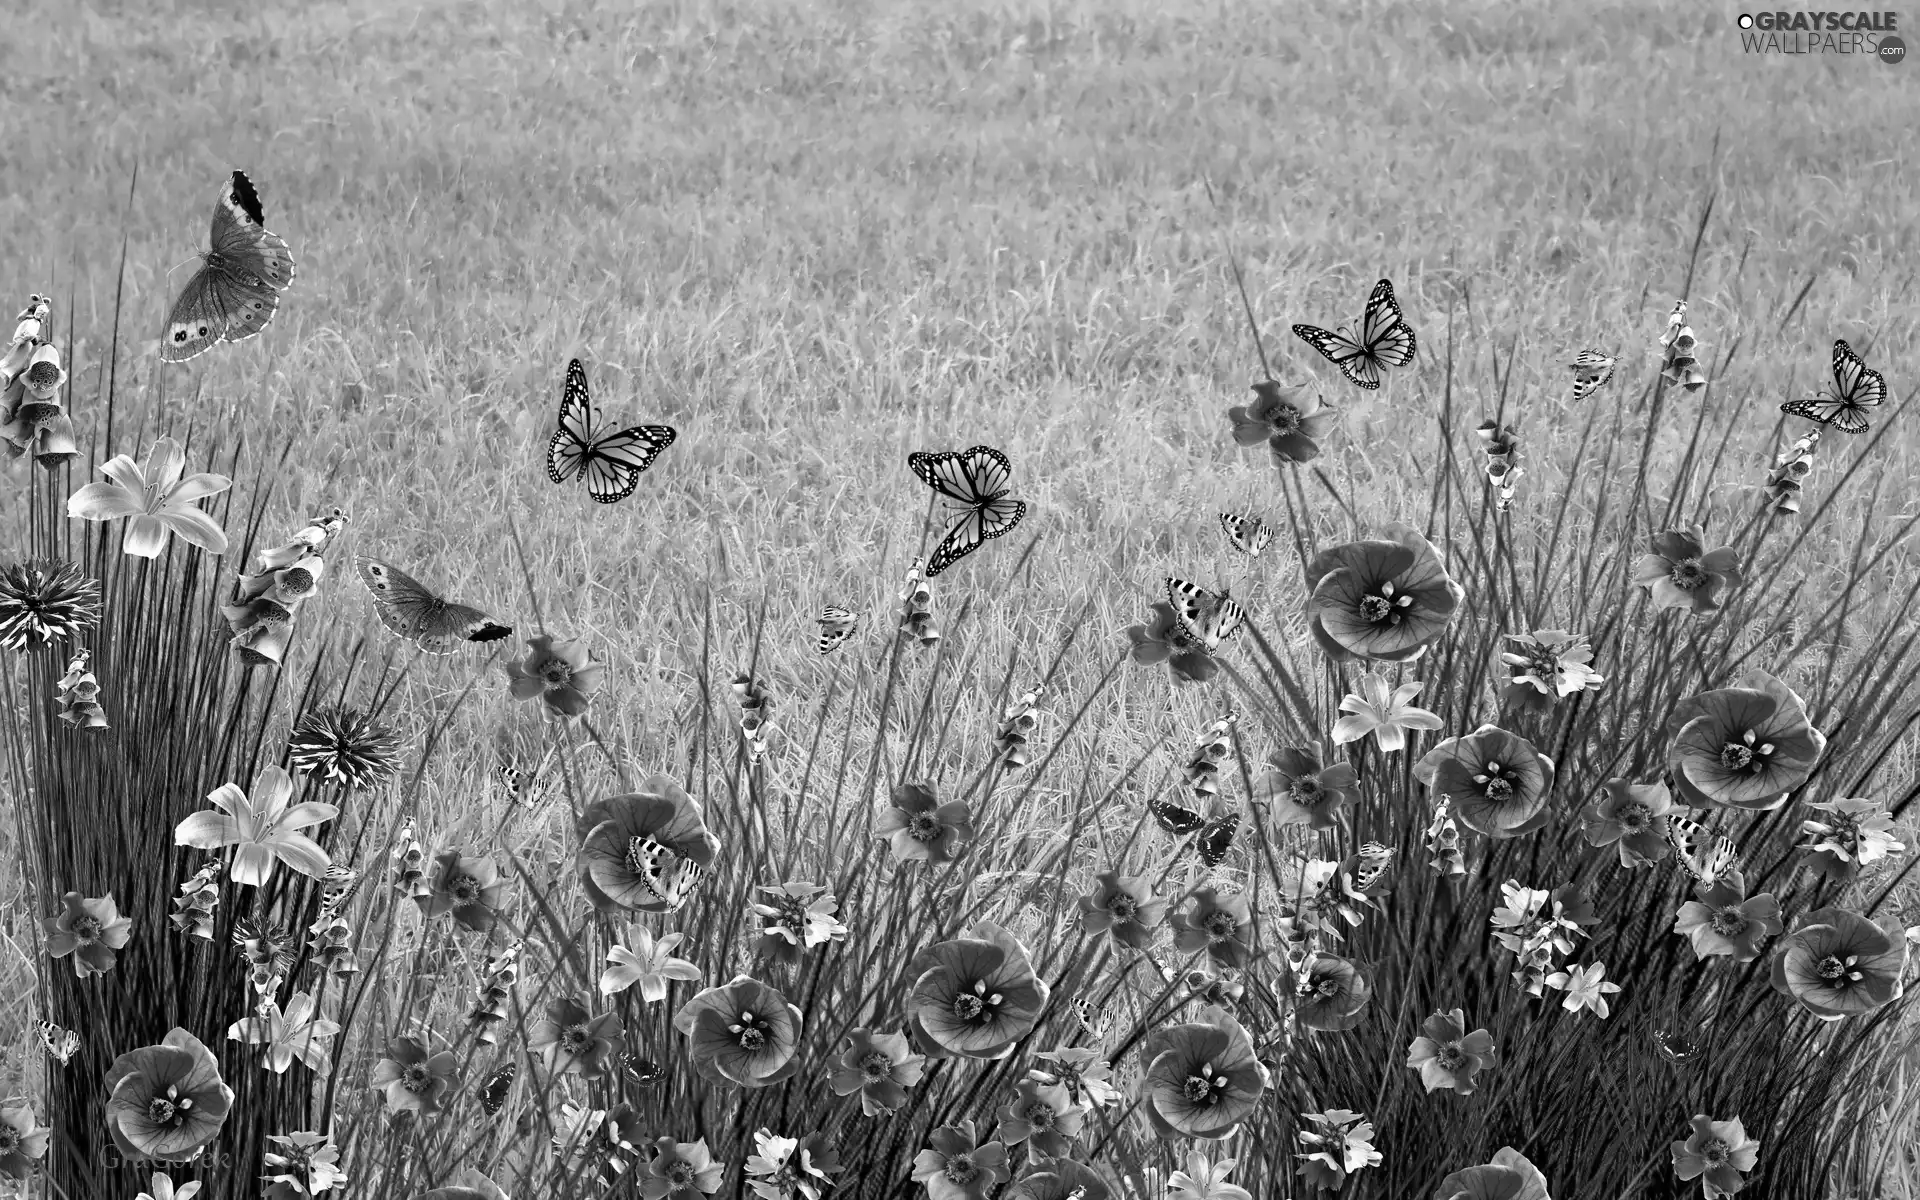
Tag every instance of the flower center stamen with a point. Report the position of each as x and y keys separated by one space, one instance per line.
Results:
x=1688 y=574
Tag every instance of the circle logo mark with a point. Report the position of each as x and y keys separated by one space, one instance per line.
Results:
x=1745 y=21
x=1892 y=49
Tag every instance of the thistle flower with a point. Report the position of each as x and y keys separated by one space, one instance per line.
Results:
x=1010 y=739
x=1387 y=715
x=1501 y=445
x=79 y=695
x=502 y=971
x=1043 y=1116
x=1631 y=817
x=1447 y=1056
x=167 y=1101
x=1124 y=909
x=199 y=896
x=1584 y=988
x=1682 y=573
x=1384 y=599
x=1789 y=474
x=881 y=1067
x=264 y=828
x=467 y=888
x=268 y=952
x=22 y=1141
x=304 y=1165
x=796 y=917
x=681 y=1169
x=922 y=829
x=157 y=498
x=414 y=1079
x=89 y=930
x=1719 y=1154
x=1854 y=832
x=344 y=746
x=650 y=964
x=958 y=1167
x=45 y=602
x=1290 y=420
x=916 y=620
x=1724 y=921
x=1165 y=640
x=1303 y=792
x=1340 y=1144
x=1547 y=666
x=295 y=1034
x=563 y=674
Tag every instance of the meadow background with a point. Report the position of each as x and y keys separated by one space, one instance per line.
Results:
x=814 y=237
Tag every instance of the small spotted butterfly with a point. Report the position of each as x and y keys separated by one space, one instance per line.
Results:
x=1089 y=1020
x=340 y=885
x=1206 y=618
x=1703 y=854
x=1591 y=371
x=1246 y=533
x=1175 y=818
x=1675 y=1047
x=1375 y=861
x=642 y=1072
x=62 y=1044
x=836 y=626
x=493 y=1093
x=664 y=875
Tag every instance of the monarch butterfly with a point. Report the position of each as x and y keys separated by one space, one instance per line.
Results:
x=61 y=1044
x=498 y=1086
x=667 y=877
x=1206 y=618
x=1246 y=533
x=1385 y=340
x=978 y=478
x=1591 y=371
x=836 y=626
x=611 y=462
x=1856 y=388
x=1703 y=854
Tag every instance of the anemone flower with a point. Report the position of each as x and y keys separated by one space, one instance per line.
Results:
x=1164 y=640
x=1719 y=1154
x=1384 y=599
x=22 y=1141
x=157 y=498
x=414 y=1079
x=1839 y=964
x=575 y=1042
x=921 y=829
x=264 y=827
x=1042 y=1115
x=1290 y=420
x=167 y=1101
x=1447 y=1056
x=1223 y=926
x=467 y=888
x=1632 y=818
x=1723 y=920
x=1125 y=909
x=1303 y=792
x=561 y=673
x=90 y=930
x=681 y=1169
x=974 y=996
x=957 y=1167
x=1497 y=781
x=1744 y=746
x=881 y=1067
x=1682 y=573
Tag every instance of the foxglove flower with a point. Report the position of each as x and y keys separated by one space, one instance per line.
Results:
x=1789 y=474
x=265 y=828
x=502 y=971
x=157 y=498
x=1385 y=599
x=90 y=931
x=1016 y=726
x=916 y=620
x=199 y=896
x=167 y=1101
x=79 y=696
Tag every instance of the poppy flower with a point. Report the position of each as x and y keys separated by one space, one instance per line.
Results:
x=1290 y=420
x=265 y=828
x=644 y=850
x=1165 y=640
x=1854 y=833
x=1340 y=1144
x=796 y=917
x=166 y=1101
x=1632 y=817
x=1200 y=1078
x=1329 y=992
x=956 y=1167
x=1723 y=920
x=1222 y=926
x=468 y=889
x=1682 y=573
x=1718 y=1153
x=681 y=1169
x=1838 y=964
x=974 y=996
x=1303 y=792
x=1060 y=1179
x=1447 y=1056
x=562 y=674
x=1497 y=781
x=1124 y=909
x=22 y=1141
x=157 y=498
x=881 y=1067
x=1508 y=1177
x=650 y=964
x=1546 y=666
x=295 y=1034
x=575 y=1042
x=414 y=1079
x=1744 y=746
x=742 y=1033
x=788 y=1168
x=1384 y=599
x=1385 y=713
x=90 y=930
x=1203 y=1180
x=1042 y=1115
x=45 y=602
x=921 y=829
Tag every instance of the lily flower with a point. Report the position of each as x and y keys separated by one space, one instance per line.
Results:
x=157 y=498
x=265 y=828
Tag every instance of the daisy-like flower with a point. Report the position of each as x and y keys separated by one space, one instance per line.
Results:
x=1290 y=420
x=1632 y=817
x=89 y=930
x=1385 y=599
x=412 y=1078
x=1203 y=1180
x=1725 y=921
x=650 y=964
x=796 y=917
x=1330 y=993
x=1042 y=1115
x=1508 y=1177
x=344 y=746
x=22 y=1141
x=920 y=828
x=1303 y=792
x=1838 y=964
x=742 y=1034
x=1087 y=1077
x=1718 y=1154
x=1682 y=573
x=562 y=674
x=1744 y=746
x=1165 y=640
x=1125 y=909
x=1497 y=781
x=644 y=850
x=469 y=889
x=1854 y=832
x=681 y=1169
x=296 y=1034
x=786 y=1168
x=161 y=1187
x=957 y=1167
x=1584 y=988
x=1447 y=1056
x=1386 y=713
x=167 y=1101
x=1546 y=666
x=974 y=996
x=1341 y=1144
x=1223 y=926
x=265 y=828
x=1200 y=1078
x=157 y=498
x=881 y=1067
x=45 y=602
x=304 y=1165
x=575 y=1042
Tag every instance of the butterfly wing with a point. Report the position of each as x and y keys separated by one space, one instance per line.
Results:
x=1246 y=533
x=566 y=452
x=498 y=1087
x=970 y=476
x=1340 y=349
x=237 y=289
x=836 y=626
x=1856 y=388
x=613 y=462
x=1591 y=371
x=1216 y=839
x=1223 y=622
x=1176 y=819
x=971 y=528
x=455 y=623
x=1384 y=333
x=428 y=621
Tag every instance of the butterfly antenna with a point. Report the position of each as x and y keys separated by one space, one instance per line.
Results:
x=1240 y=282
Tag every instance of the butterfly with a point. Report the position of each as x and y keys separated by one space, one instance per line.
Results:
x=1591 y=371
x=1216 y=839
x=60 y=1043
x=497 y=1087
x=1675 y=1047
x=1375 y=861
x=836 y=626
x=978 y=478
x=642 y=1072
x=1088 y=1019
x=667 y=877
x=1385 y=340
x=1247 y=533
x=1206 y=618
x=1703 y=854
x=1175 y=818
x=611 y=462
x=433 y=623
x=1856 y=388
x=338 y=887
x=237 y=288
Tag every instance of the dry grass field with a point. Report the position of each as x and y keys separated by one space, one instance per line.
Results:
x=814 y=237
